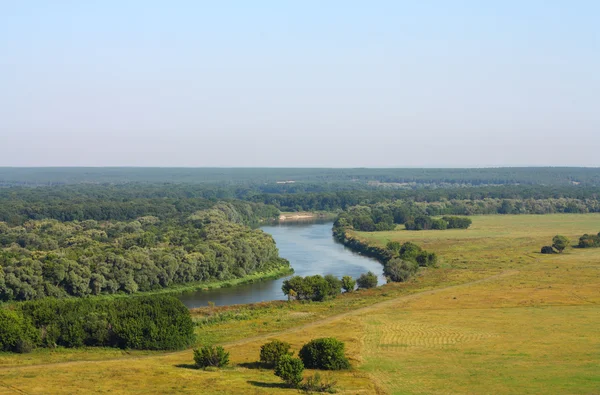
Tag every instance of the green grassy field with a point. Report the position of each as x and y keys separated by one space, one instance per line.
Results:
x=496 y=317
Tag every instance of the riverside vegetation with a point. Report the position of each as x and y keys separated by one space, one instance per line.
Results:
x=492 y=308
x=486 y=309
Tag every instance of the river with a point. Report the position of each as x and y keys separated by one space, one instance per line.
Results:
x=310 y=248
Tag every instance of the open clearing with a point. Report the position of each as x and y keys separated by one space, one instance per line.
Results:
x=496 y=317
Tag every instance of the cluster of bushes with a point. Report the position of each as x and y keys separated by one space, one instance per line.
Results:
x=319 y=288
x=52 y=258
x=322 y=354
x=589 y=241
x=559 y=243
x=148 y=323
x=403 y=260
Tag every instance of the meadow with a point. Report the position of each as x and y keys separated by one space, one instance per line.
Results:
x=496 y=316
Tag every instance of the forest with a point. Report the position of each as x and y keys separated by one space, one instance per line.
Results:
x=78 y=258
x=391 y=177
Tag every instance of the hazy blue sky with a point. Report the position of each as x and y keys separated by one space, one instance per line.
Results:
x=299 y=83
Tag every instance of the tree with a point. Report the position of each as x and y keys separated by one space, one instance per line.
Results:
x=560 y=242
x=367 y=280
x=211 y=356
x=398 y=270
x=290 y=370
x=271 y=352
x=335 y=285
x=348 y=283
x=325 y=353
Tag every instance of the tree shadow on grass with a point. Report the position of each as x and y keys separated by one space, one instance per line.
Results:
x=253 y=365
x=267 y=385
x=187 y=366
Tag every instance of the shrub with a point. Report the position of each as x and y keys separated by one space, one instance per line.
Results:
x=316 y=288
x=348 y=283
x=425 y=258
x=17 y=333
x=589 y=241
x=560 y=242
x=335 y=285
x=316 y=384
x=398 y=270
x=211 y=356
x=547 y=250
x=290 y=370
x=367 y=280
x=271 y=352
x=324 y=353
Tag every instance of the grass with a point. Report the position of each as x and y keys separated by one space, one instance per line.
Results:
x=495 y=317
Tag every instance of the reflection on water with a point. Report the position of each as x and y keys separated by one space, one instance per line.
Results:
x=310 y=248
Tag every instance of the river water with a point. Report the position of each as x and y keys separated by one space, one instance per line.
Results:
x=310 y=248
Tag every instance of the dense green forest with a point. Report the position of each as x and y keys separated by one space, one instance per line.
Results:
x=147 y=323
x=78 y=258
x=130 y=201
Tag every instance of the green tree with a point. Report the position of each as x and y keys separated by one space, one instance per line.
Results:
x=398 y=270
x=348 y=283
x=367 y=280
x=290 y=370
x=560 y=243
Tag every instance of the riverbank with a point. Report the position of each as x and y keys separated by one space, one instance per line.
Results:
x=306 y=216
x=206 y=286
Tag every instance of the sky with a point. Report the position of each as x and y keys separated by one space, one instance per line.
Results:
x=445 y=83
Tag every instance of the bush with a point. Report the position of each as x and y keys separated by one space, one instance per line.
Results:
x=17 y=333
x=548 y=250
x=290 y=370
x=589 y=241
x=560 y=242
x=398 y=270
x=324 y=353
x=425 y=258
x=348 y=283
x=335 y=285
x=316 y=384
x=316 y=288
x=211 y=356
x=271 y=352
x=367 y=280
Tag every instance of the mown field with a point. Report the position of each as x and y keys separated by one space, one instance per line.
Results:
x=495 y=317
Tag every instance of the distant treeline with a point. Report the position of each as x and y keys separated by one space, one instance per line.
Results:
x=121 y=203
x=423 y=222
x=147 y=323
x=255 y=176
x=52 y=258
x=130 y=201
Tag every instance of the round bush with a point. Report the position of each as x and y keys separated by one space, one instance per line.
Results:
x=325 y=353
x=290 y=370
x=271 y=352
x=211 y=356
x=367 y=280
x=547 y=250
